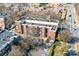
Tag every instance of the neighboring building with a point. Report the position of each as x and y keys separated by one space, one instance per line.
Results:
x=33 y=28
x=6 y=39
x=2 y=24
x=3 y=20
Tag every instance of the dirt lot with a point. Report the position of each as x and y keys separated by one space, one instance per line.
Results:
x=16 y=51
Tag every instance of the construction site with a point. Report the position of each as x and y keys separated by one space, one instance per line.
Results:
x=39 y=29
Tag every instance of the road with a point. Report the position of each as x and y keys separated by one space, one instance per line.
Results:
x=71 y=20
x=70 y=24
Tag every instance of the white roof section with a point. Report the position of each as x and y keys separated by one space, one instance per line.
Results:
x=47 y=24
x=41 y=22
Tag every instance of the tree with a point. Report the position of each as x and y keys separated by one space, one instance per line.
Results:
x=70 y=53
x=73 y=40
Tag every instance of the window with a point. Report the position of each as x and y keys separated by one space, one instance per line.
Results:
x=46 y=32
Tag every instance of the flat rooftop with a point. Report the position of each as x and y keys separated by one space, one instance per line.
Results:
x=40 y=23
x=5 y=38
x=38 y=19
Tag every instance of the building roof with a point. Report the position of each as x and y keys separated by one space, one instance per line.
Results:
x=30 y=22
x=38 y=19
x=5 y=38
x=35 y=20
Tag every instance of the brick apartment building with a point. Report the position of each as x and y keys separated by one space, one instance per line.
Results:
x=33 y=28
